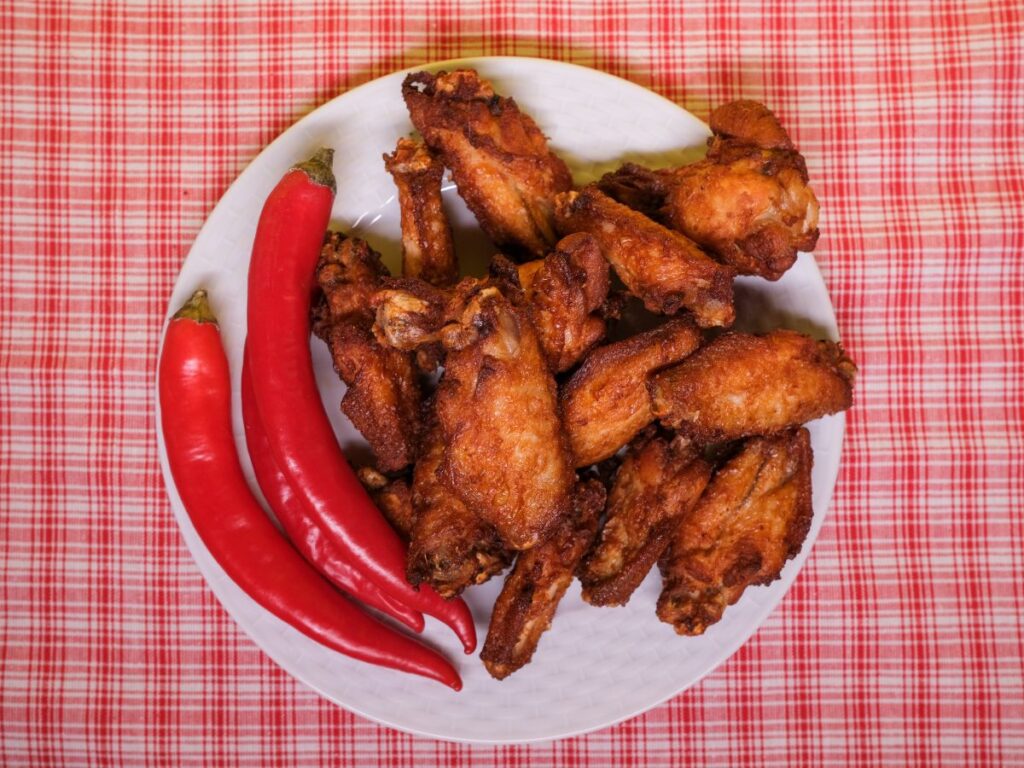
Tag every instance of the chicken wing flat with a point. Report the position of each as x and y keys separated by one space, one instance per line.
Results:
x=662 y=268
x=506 y=455
x=383 y=396
x=564 y=294
x=498 y=157
x=748 y=202
x=741 y=385
x=606 y=402
x=530 y=597
x=427 y=248
x=656 y=486
x=450 y=547
x=753 y=517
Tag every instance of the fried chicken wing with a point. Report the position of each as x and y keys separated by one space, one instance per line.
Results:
x=664 y=269
x=530 y=597
x=741 y=385
x=564 y=294
x=450 y=547
x=748 y=202
x=498 y=157
x=349 y=273
x=506 y=455
x=753 y=517
x=606 y=402
x=393 y=498
x=427 y=248
x=657 y=484
x=383 y=396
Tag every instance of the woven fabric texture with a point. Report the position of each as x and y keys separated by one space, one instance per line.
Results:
x=121 y=124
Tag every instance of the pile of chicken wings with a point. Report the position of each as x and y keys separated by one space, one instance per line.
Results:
x=544 y=445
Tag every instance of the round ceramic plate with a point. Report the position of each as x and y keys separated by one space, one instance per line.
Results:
x=596 y=666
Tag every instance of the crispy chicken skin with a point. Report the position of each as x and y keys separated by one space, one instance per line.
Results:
x=741 y=385
x=349 y=273
x=664 y=269
x=498 y=157
x=606 y=402
x=748 y=202
x=530 y=597
x=383 y=394
x=753 y=517
x=564 y=294
x=657 y=484
x=450 y=547
x=427 y=248
x=506 y=455
x=392 y=497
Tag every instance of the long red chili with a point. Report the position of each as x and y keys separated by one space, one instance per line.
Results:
x=281 y=280
x=195 y=404
x=305 y=536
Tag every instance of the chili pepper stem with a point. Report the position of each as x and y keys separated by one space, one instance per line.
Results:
x=319 y=168
x=197 y=308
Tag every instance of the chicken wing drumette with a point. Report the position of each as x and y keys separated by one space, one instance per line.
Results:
x=748 y=202
x=657 y=484
x=539 y=579
x=383 y=398
x=499 y=159
x=752 y=518
x=427 y=249
x=662 y=268
x=741 y=385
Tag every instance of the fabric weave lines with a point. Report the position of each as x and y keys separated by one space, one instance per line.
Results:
x=121 y=124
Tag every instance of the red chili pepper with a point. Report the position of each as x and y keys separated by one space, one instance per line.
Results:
x=195 y=404
x=288 y=240
x=304 y=535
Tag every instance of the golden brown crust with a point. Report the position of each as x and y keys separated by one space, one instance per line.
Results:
x=748 y=201
x=349 y=272
x=498 y=157
x=741 y=385
x=450 y=547
x=752 y=518
x=506 y=455
x=750 y=122
x=657 y=484
x=564 y=293
x=427 y=248
x=606 y=401
x=383 y=396
x=530 y=597
x=392 y=497
x=664 y=269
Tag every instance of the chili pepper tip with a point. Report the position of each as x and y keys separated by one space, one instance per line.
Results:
x=197 y=308
x=319 y=168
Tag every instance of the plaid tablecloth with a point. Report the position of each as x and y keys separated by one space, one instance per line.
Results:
x=122 y=123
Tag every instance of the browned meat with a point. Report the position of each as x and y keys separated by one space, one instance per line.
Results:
x=752 y=518
x=741 y=385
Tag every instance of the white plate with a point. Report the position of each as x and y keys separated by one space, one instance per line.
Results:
x=596 y=666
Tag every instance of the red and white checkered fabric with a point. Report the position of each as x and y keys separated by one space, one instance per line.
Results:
x=122 y=123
